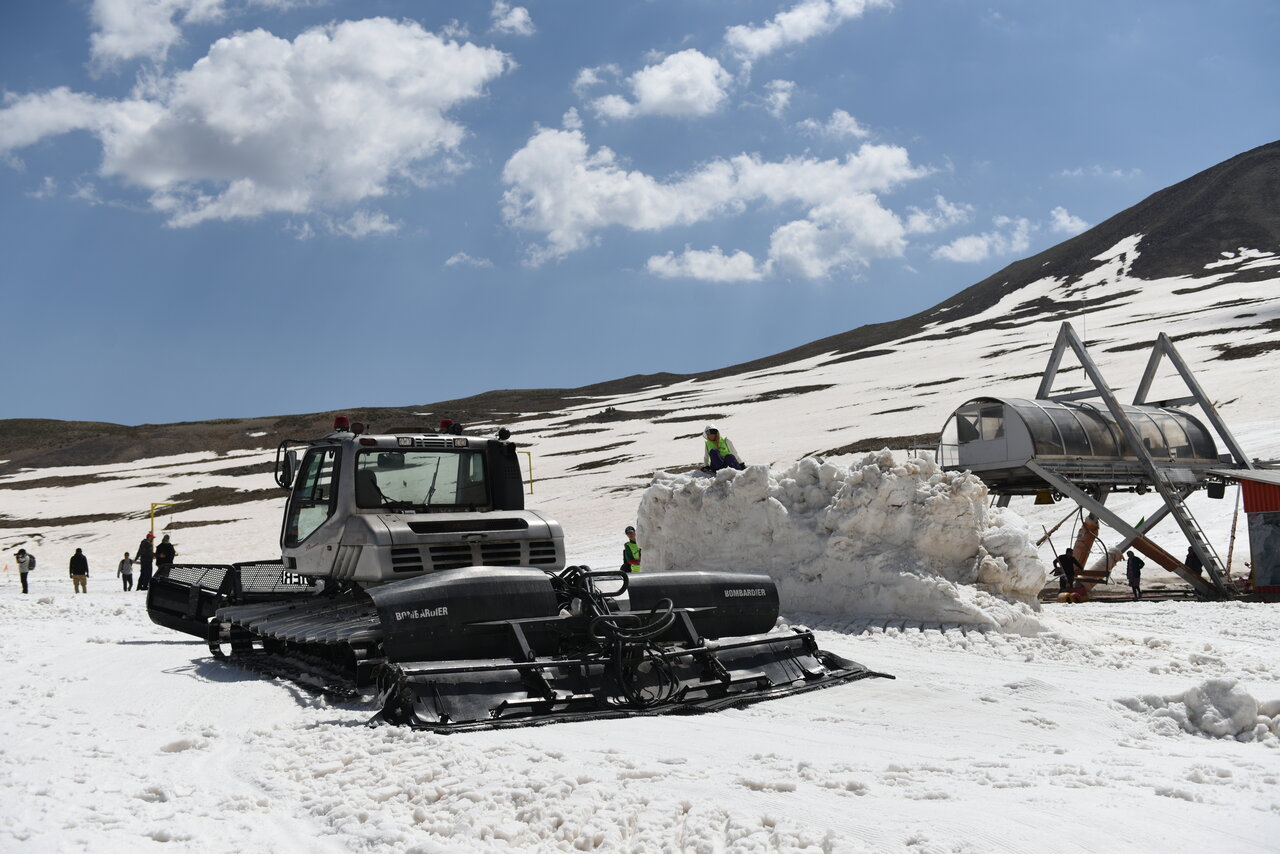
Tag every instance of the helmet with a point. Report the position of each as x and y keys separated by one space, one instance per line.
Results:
x=628 y=530
x=710 y=428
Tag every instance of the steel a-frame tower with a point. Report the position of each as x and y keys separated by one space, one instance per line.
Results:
x=1173 y=483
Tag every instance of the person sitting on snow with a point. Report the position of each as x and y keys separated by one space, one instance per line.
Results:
x=718 y=452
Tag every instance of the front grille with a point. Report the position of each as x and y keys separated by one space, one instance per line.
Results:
x=500 y=554
x=406 y=559
x=456 y=555
x=542 y=551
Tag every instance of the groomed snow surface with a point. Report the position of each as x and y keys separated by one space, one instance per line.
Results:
x=1096 y=727
x=1102 y=727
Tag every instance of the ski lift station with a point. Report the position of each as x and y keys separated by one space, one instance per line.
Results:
x=995 y=438
x=1086 y=445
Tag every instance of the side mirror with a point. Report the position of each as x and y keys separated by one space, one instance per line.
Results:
x=287 y=469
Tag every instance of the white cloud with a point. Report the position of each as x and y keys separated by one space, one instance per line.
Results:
x=511 y=20
x=712 y=266
x=943 y=215
x=455 y=30
x=841 y=125
x=590 y=77
x=1010 y=236
x=687 y=83
x=1065 y=223
x=128 y=29
x=571 y=120
x=47 y=190
x=364 y=223
x=466 y=260
x=261 y=124
x=778 y=96
x=844 y=233
x=1096 y=171
x=803 y=21
x=558 y=187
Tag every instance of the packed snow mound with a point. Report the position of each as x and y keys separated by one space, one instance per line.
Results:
x=1216 y=708
x=878 y=539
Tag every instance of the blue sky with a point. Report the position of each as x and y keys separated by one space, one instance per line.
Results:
x=218 y=208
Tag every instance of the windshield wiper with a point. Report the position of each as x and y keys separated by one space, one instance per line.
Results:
x=432 y=491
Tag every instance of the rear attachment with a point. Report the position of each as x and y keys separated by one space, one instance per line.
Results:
x=622 y=651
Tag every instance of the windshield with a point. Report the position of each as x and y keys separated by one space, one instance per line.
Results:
x=420 y=480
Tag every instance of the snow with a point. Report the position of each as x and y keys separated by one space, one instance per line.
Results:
x=1147 y=725
x=880 y=538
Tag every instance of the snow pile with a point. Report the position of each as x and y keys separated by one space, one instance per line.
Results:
x=1216 y=708
x=877 y=539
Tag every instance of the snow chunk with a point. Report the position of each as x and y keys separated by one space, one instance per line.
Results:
x=877 y=539
x=1216 y=708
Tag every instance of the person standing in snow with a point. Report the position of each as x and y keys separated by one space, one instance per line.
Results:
x=25 y=562
x=145 y=555
x=125 y=572
x=718 y=452
x=165 y=553
x=79 y=572
x=1066 y=565
x=1193 y=562
x=630 y=551
x=1133 y=572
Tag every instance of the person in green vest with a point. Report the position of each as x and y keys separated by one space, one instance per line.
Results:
x=630 y=552
x=718 y=452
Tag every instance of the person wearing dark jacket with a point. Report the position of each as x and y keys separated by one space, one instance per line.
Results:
x=1193 y=562
x=146 y=554
x=165 y=553
x=79 y=572
x=1133 y=572
x=24 y=566
x=630 y=551
x=1066 y=565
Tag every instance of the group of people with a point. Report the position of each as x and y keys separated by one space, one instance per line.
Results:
x=718 y=453
x=161 y=554
x=1066 y=565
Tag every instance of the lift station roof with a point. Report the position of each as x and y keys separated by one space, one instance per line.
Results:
x=996 y=436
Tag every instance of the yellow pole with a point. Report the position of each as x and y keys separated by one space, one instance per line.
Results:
x=529 y=454
x=154 y=505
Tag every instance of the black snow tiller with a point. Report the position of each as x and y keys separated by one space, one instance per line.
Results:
x=412 y=571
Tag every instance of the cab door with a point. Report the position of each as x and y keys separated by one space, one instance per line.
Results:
x=309 y=534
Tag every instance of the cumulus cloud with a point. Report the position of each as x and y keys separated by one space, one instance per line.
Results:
x=364 y=223
x=778 y=96
x=708 y=266
x=803 y=21
x=688 y=83
x=128 y=29
x=465 y=260
x=511 y=20
x=841 y=234
x=841 y=125
x=133 y=29
x=589 y=78
x=1011 y=235
x=557 y=186
x=1064 y=223
x=942 y=215
x=262 y=124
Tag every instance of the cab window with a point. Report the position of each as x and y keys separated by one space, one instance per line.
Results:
x=312 y=501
